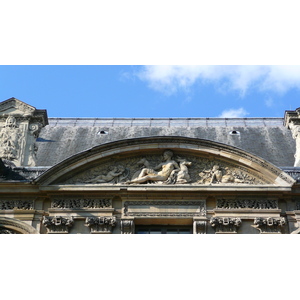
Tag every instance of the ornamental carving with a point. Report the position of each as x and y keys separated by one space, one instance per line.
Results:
x=16 y=204
x=168 y=169
x=57 y=224
x=127 y=226
x=81 y=203
x=165 y=208
x=101 y=224
x=269 y=225
x=200 y=227
x=225 y=225
x=247 y=203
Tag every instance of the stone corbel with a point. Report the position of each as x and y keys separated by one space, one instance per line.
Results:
x=101 y=224
x=127 y=226
x=225 y=224
x=269 y=225
x=57 y=224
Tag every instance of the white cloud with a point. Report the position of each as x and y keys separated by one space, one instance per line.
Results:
x=169 y=79
x=234 y=113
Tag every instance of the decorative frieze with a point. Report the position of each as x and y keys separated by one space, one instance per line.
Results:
x=247 y=203
x=165 y=208
x=269 y=225
x=81 y=203
x=16 y=204
x=127 y=226
x=225 y=225
x=58 y=224
x=199 y=227
x=101 y=224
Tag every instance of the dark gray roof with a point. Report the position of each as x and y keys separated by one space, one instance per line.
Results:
x=264 y=137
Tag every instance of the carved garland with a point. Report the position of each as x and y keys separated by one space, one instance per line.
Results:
x=16 y=204
x=225 y=225
x=247 y=203
x=269 y=225
x=81 y=203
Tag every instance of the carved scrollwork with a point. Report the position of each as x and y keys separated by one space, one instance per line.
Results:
x=247 y=203
x=269 y=225
x=101 y=224
x=57 y=224
x=81 y=203
x=225 y=224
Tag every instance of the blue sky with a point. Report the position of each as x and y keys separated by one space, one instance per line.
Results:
x=154 y=91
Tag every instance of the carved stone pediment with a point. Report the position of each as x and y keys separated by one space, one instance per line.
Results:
x=176 y=169
x=14 y=106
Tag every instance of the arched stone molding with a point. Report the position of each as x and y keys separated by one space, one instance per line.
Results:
x=123 y=149
x=16 y=226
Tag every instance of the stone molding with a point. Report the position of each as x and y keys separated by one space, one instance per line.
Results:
x=269 y=225
x=127 y=226
x=247 y=203
x=81 y=203
x=101 y=224
x=16 y=204
x=197 y=204
x=57 y=224
x=225 y=224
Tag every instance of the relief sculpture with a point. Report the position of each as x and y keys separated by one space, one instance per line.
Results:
x=168 y=169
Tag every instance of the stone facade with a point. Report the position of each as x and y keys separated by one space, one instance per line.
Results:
x=154 y=183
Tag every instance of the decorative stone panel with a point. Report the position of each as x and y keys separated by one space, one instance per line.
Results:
x=101 y=224
x=81 y=203
x=247 y=203
x=225 y=225
x=58 y=224
x=269 y=225
x=16 y=204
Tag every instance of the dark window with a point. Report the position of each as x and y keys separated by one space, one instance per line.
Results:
x=163 y=229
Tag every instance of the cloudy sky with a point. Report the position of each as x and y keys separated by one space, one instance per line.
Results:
x=155 y=90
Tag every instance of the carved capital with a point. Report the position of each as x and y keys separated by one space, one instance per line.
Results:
x=58 y=224
x=269 y=225
x=225 y=225
x=101 y=224
x=127 y=226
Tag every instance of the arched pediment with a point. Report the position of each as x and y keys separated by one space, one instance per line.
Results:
x=10 y=225
x=194 y=161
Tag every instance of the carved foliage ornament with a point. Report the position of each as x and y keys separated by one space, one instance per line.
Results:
x=101 y=224
x=81 y=203
x=57 y=224
x=225 y=225
x=269 y=225
x=247 y=203
x=168 y=169
x=16 y=204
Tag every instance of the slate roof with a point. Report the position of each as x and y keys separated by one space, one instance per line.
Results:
x=264 y=137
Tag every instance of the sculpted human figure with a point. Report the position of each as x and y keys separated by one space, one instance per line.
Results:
x=113 y=172
x=152 y=175
x=216 y=174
